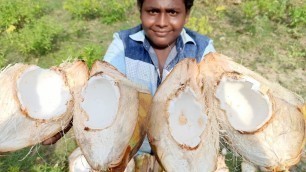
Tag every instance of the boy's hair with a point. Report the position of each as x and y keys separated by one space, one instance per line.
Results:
x=188 y=4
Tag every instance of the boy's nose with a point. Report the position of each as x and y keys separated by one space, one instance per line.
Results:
x=162 y=20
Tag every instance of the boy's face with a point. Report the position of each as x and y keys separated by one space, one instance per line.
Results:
x=163 y=21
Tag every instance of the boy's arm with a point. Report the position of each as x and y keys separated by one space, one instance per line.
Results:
x=115 y=54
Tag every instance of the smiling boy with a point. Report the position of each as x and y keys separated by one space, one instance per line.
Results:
x=148 y=52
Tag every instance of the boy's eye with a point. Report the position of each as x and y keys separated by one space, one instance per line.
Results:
x=153 y=11
x=172 y=12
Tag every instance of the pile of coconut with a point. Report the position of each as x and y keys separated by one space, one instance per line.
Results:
x=197 y=105
x=110 y=113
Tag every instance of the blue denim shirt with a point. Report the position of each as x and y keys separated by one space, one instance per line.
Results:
x=131 y=53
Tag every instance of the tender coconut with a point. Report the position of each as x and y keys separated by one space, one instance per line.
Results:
x=246 y=107
x=77 y=162
x=182 y=132
x=248 y=167
x=43 y=93
x=36 y=103
x=139 y=163
x=187 y=119
x=100 y=95
x=276 y=135
x=110 y=118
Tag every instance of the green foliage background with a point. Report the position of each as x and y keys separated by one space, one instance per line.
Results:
x=268 y=37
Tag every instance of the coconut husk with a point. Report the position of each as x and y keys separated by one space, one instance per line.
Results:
x=77 y=162
x=277 y=141
x=19 y=127
x=139 y=163
x=111 y=146
x=172 y=127
x=143 y=163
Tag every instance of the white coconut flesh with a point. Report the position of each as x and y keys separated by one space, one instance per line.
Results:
x=246 y=107
x=43 y=93
x=81 y=165
x=187 y=119
x=101 y=101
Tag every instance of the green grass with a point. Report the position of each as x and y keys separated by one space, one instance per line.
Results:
x=39 y=158
x=270 y=42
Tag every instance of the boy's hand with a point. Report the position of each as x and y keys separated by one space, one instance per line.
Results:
x=58 y=135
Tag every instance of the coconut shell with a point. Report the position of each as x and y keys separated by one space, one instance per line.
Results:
x=143 y=163
x=111 y=148
x=278 y=143
x=18 y=129
x=221 y=165
x=172 y=154
x=77 y=162
x=139 y=163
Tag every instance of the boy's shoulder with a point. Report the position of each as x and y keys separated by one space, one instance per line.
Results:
x=130 y=31
x=196 y=36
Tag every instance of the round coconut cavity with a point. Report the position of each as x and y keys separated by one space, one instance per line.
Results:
x=246 y=107
x=43 y=93
x=101 y=101
x=187 y=119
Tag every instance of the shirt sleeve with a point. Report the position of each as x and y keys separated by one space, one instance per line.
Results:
x=115 y=54
x=210 y=48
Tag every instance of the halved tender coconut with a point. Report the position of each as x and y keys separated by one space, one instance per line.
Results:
x=187 y=119
x=110 y=118
x=36 y=103
x=182 y=132
x=101 y=95
x=262 y=120
x=43 y=93
x=77 y=162
x=247 y=108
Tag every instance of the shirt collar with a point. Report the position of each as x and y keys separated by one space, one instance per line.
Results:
x=139 y=36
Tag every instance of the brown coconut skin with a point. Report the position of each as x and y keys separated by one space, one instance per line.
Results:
x=172 y=155
x=278 y=144
x=18 y=130
x=135 y=102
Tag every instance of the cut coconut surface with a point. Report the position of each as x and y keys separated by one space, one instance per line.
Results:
x=110 y=116
x=43 y=93
x=100 y=95
x=246 y=107
x=262 y=120
x=187 y=119
x=182 y=132
x=36 y=103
